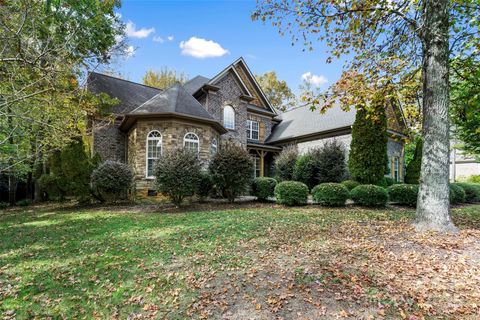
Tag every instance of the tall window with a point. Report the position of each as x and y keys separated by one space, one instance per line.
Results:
x=228 y=117
x=191 y=142
x=256 y=166
x=396 y=166
x=252 y=130
x=214 y=147
x=154 y=151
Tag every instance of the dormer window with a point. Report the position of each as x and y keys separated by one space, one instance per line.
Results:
x=229 y=117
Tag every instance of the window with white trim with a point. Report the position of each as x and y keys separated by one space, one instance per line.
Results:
x=252 y=129
x=214 y=147
x=191 y=142
x=154 y=151
x=396 y=166
x=228 y=117
x=256 y=166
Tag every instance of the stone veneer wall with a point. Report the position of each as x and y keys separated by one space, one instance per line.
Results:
x=265 y=126
x=173 y=132
x=108 y=141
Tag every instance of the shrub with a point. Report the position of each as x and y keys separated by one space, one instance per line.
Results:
x=382 y=183
x=412 y=172
x=24 y=203
x=474 y=178
x=111 y=181
x=3 y=205
x=263 y=187
x=177 y=174
x=53 y=187
x=368 y=150
x=285 y=162
x=305 y=169
x=457 y=194
x=390 y=181
x=330 y=194
x=231 y=171
x=369 y=195
x=204 y=186
x=330 y=162
x=291 y=193
x=472 y=191
x=403 y=194
x=350 y=184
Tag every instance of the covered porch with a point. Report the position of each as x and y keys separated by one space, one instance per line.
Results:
x=264 y=156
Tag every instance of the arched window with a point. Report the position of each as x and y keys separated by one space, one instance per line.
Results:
x=228 y=117
x=154 y=151
x=191 y=142
x=214 y=147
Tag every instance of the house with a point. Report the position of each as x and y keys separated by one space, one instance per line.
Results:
x=204 y=113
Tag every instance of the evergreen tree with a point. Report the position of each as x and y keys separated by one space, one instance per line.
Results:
x=368 y=150
x=412 y=173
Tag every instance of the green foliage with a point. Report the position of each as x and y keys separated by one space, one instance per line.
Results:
x=330 y=162
x=412 y=172
x=177 y=174
x=277 y=91
x=204 y=186
x=285 y=163
x=368 y=150
x=291 y=193
x=350 y=184
x=474 y=178
x=263 y=187
x=111 y=181
x=457 y=194
x=472 y=191
x=164 y=78
x=403 y=194
x=305 y=169
x=3 y=205
x=231 y=171
x=53 y=186
x=369 y=195
x=24 y=203
x=330 y=194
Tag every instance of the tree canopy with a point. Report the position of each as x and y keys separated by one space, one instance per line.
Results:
x=163 y=78
x=276 y=90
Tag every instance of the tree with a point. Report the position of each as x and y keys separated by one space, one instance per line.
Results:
x=164 y=78
x=387 y=41
x=285 y=162
x=332 y=164
x=277 y=91
x=412 y=172
x=368 y=150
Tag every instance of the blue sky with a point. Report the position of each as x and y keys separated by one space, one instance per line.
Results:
x=203 y=37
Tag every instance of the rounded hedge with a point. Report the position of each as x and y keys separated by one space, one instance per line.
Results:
x=263 y=187
x=112 y=180
x=350 y=184
x=457 y=194
x=330 y=194
x=403 y=194
x=291 y=193
x=369 y=195
x=472 y=191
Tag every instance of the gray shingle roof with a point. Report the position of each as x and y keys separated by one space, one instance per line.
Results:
x=173 y=100
x=192 y=85
x=303 y=121
x=130 y=94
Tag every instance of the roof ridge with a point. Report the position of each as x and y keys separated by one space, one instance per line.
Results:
x=125 y=80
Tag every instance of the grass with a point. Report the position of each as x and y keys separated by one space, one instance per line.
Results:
x=71 y=263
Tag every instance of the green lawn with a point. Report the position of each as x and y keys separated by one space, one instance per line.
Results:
x=255 y=261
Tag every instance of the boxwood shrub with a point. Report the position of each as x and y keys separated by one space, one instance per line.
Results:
x=263 y=187
x=350 y=184
x=111 y=181
x=403 y=194
x=291 y=193
x=457 y=194
x=330 y=194
x=369 y=195
x=472 y=191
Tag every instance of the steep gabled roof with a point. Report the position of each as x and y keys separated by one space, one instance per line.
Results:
x=194 y=84
x=130 y=94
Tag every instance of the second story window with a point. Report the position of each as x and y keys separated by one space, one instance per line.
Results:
x=229 y=117
x=252 y=130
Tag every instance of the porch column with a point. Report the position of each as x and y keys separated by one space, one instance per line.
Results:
x=261 y=154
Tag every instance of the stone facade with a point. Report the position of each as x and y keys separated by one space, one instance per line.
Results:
x=108 y=141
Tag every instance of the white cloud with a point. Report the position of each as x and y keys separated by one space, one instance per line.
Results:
x=170 y=38
x=202 y=48
x=158 y=39
x=131 y=31
x=129 y=51
x=316 y=80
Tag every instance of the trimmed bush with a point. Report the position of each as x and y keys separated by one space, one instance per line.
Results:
x=390 y=181
x=369 y=195
x=111 y=181
x=330 y=162
x=305 y=169
x=231 y=170
x=472 y=191
x=204 y=186
x=457 y=194
x=291 y=193
x=412 y=172
x=350 y=184
x=285 y=162
x=177 y=174
x=403 y=194
x=263 y=187
x=330 y=194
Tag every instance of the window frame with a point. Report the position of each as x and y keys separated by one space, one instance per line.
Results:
x=227 y=121
x=256 y=166
x=197 y=141
x=212 y=145
x=159 y=140
x=250 y=130
x=396 y=169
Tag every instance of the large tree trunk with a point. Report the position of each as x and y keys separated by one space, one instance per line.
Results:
x=433 y=209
